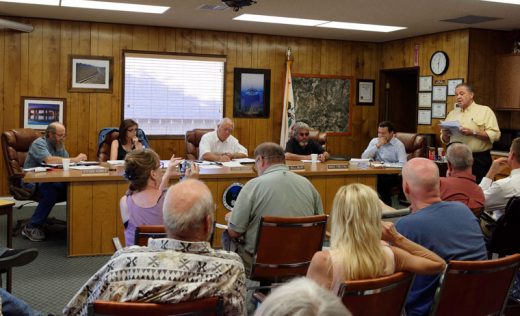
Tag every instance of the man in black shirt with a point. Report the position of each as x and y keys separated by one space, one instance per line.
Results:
x=300 y=147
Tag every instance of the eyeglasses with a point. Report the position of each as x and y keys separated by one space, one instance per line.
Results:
x=304 y=134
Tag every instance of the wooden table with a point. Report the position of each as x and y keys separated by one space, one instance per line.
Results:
x=93 y=199
x=6 y=208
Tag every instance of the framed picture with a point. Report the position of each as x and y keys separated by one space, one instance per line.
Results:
x=425 y=99
x=365 y=92
x=452 y=83
x=439 y=93
x=252 y=90
x=90 y=73
x=424 y=117
x=39 y=112
x=425 y=83
x=438 y=110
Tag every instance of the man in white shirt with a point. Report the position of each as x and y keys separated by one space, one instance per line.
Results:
x=220 y=145
x=499 y=192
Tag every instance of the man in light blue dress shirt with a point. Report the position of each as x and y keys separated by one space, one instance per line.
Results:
x=386 y=148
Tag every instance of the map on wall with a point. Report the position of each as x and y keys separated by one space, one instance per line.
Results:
x=323 y=102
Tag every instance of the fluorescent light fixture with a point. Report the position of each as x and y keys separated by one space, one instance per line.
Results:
x=362 y=27
x=277 y=20
x=505 y=1
x=41 y=2
x=115 y=6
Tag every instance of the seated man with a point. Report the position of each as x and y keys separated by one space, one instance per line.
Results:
x=300 y=147
x=220 y=145
x=48 y=149
x=275 y=192
x=386 y=147
x=174 y=269
x=459 y=183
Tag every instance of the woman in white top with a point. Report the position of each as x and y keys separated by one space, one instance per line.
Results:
x=364 y=247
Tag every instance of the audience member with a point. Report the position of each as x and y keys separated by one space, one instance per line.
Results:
x=356 y=250
x=300 y=147
x=447 y=228
x=49 y=149
x=301 y=297
x=16 y=257
x=13 y=306
x=126 y=141
x=459 y=183
x=386 y=147
x=275 y=192
x=143 y=202
x=478 y=128
x=174 y=269
x=220 y=145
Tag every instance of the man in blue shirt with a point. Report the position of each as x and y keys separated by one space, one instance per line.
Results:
x=447 y=228
x=48 y=149
x=387 y=148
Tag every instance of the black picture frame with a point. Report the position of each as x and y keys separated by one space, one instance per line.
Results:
x=251 y=92
x=365 y=91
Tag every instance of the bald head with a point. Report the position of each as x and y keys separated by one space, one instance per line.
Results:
x=188 y=211
x=422 y=177
x=55 y=127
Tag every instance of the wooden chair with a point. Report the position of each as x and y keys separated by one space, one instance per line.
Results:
x=206 y=306
x=142 y=233
x=385 y=295
x=475 y=287
x=285 y=246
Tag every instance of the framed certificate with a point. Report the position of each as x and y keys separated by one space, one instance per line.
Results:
x=439 y=93
x=424 y=117
x=365 y=92
x=452 y=83
x=438 y=110
x=425 y=99
x=425 y=83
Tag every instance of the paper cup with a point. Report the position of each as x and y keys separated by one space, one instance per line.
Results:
x=66 y=163
x=314 y=157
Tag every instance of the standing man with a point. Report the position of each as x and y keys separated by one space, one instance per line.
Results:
x=49 y=149
x=478 y=128
x=275 y=192
x=220 y=145
x=386 y=147
x=300 y=147
x=447 y=228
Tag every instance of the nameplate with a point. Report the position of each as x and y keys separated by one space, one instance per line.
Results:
x=297 y=167
x=337 y=166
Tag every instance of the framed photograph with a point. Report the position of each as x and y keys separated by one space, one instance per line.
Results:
x=252 y=90
x=424 y=117
x=425 y=100
x=425 y=83
x=452 y=83
x=439 y=93
x=365 y=92
x=90 y=73
x=439 y=110
x=39 y=112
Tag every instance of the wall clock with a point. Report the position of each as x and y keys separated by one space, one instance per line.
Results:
x=439 y=63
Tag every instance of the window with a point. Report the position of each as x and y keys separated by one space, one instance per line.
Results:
x=169 y=94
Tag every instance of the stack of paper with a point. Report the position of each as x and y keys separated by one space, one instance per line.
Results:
x=452 y=126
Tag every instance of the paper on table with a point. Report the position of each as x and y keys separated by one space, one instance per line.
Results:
x=244 y=160
x=232 y=164
x=452 y=126
x=116 y=162
x=209 y=166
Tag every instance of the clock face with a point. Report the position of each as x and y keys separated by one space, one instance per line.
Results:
x=439 y=62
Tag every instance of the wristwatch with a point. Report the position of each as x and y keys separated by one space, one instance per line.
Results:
x=474 y=133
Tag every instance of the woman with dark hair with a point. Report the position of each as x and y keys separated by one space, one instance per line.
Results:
x=143 y=202
x=127 y=140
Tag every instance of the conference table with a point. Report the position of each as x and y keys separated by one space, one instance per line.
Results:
x=93 y=216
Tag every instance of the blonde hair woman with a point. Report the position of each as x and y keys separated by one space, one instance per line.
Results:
x=357 y=250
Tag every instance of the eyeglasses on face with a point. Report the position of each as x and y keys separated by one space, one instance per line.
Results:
x=304 y=134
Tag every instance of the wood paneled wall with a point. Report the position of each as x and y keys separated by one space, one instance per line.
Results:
x=36 y=64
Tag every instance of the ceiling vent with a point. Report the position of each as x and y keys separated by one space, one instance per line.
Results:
x=471 y=19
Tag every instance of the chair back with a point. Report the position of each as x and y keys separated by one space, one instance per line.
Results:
x=414 y=144
x=15 y=145
x=285 y=246
x=107 y=135
x=206 y=306
x=142 y=233
x=505 y=239
x=320 y=137
x=385 y=295
x=475 y=287
x=192 y=142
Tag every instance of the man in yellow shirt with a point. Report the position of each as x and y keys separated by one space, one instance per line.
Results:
x=478 y=128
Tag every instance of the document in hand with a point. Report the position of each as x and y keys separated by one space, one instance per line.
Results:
x=452 y=126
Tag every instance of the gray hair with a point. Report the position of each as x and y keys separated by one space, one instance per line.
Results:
x=301 y=297
x=299 y=126
x=468 y=86
x=52 y=127
x=271 y=151
x=186 y=206
x=226 y=120
x=459 y=156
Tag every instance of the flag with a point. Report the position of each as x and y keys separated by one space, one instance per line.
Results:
x=288 y=113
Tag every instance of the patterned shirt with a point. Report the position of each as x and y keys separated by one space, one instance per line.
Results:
x=167 y=271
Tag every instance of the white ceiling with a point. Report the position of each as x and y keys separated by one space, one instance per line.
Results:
x=419 y=16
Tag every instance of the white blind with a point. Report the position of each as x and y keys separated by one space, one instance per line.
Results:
x=170 y=94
